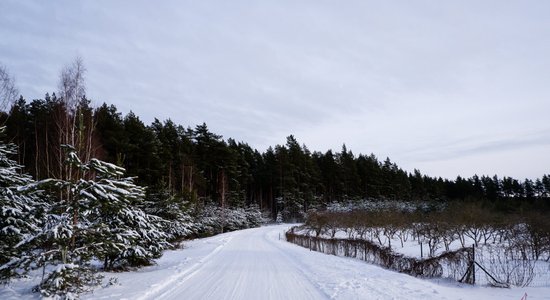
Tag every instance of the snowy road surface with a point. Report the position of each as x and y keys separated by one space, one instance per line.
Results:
x=255 y=264
x=247 y=266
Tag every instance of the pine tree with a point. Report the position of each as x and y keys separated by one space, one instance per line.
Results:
x=113 y=228
x=19 y=210
x=546 y=183
x=110 y=129
x=175 y=210
x=529 y=189
x=98 y=216
x=141 y=153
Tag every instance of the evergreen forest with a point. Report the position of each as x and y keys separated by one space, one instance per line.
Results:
x=200 y=166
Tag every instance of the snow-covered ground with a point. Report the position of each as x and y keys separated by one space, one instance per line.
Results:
x=492 y=255
x=258 y=264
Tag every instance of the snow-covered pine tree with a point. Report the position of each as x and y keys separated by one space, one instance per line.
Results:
x=111 y=225
x=279 y=218
x=175 y=210
x=97 y=216
x=254 y=216
x=19 y=210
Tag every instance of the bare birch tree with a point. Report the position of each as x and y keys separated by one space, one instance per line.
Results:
x=75 y=125
x=74 y=118
x=72 y=90
x=8 y=91
x=72 y=86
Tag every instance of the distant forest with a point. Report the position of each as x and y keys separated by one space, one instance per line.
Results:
x=201 y=167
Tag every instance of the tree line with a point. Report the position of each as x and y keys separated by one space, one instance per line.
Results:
x=200 y=166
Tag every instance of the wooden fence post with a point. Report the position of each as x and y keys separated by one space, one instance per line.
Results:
x=473 y=264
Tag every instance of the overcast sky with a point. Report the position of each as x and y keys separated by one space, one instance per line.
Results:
x=447 y=87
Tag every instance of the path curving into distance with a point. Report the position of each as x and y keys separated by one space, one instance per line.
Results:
x=249 y=265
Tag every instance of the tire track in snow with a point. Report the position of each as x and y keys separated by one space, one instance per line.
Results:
x=165 y=288
x=300 y=267
x=249 y=266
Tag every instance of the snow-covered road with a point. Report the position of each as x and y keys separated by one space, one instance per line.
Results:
x=249 y=265
x=256 y=264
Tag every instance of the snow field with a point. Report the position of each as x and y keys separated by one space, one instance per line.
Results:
x=505 y=265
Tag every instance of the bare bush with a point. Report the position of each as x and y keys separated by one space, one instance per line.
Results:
x=454 y=262
x=506 y=265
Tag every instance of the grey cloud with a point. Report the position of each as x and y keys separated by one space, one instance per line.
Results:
x=479 y=145
x=388 y=77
